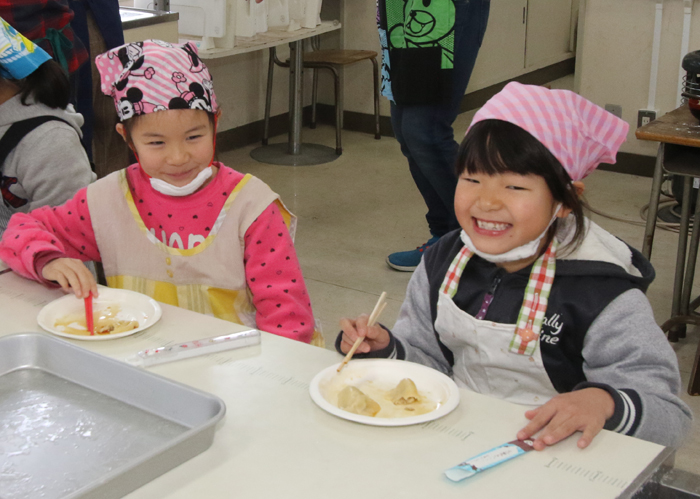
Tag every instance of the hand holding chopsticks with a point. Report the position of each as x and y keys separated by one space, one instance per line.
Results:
x=374 y=316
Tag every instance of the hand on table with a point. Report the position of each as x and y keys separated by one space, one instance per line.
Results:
x=583 y=410
x=72 y=275
x=376 y=337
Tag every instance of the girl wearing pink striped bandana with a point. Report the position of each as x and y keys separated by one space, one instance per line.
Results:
x=177 y=225
x=530 y=301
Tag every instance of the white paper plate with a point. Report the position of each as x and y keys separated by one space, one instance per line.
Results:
x=133 y=305
x=384 y=374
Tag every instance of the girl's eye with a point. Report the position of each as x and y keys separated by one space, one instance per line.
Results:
x=155 y=143
x=516 y=188
x=194 y=137
x=470 y=180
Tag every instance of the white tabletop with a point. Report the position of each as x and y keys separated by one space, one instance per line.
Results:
x=275 y=442
x=270 y=38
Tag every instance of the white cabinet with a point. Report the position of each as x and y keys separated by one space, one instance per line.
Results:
x=503 y=48
x=522 y=36
x=548 y=32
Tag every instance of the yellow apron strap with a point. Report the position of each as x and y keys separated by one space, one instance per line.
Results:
x=317 y=339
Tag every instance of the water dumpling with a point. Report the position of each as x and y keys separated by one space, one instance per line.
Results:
x=405 y=393
x=352 y=399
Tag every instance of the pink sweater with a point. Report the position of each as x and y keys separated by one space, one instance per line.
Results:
x=282 y=304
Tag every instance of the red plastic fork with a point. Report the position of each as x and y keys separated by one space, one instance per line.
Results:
x=88 y=315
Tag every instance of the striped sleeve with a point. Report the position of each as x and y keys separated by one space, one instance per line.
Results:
x=628 y=408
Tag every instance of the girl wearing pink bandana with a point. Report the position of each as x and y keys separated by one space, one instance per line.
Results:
x=177 y=226
x=530 y=301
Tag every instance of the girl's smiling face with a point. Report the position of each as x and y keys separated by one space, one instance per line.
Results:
x=501 y=212
x=174 y=145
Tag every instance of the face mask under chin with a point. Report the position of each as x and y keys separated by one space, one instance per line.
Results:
x=522 y=252
x=171 y=190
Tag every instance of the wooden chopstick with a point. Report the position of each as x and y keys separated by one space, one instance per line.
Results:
x=374 y=316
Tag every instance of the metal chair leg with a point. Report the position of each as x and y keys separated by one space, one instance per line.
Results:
x=678 y=331
x=268 y=95
x=653 y=203
x=375 y=77
x=314 y=97
x=338 y=111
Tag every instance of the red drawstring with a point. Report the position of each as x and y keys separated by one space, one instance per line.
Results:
x=216 y=125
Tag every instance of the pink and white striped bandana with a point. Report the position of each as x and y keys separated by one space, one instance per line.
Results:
x=144 y=77
x=578 y=133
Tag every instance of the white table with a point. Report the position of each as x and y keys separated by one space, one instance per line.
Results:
x=276 y=443
x=296 y=153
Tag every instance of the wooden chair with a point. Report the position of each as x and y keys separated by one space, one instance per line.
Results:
x=330 y=60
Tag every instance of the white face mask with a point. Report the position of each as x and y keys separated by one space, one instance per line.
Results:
x=171 y=190
x=527 y=250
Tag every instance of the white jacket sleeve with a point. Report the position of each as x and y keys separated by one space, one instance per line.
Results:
x=414 y=327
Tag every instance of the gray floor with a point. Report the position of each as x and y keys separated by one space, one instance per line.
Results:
x=354 y=211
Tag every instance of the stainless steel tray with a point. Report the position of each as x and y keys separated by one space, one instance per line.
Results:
x=77 y=424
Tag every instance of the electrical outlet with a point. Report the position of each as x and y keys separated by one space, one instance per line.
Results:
x=614 y=109
x=645 y=116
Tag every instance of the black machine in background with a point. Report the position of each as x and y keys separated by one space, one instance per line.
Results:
x=691 y=93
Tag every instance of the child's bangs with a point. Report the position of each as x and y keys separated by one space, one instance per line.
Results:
x=482 y=155
x=495 y=147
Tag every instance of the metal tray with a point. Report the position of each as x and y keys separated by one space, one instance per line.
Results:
x=76 y=424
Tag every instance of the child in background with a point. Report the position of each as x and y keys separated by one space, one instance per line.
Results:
x=41 y=159
x=177 y=226
x=531 y=302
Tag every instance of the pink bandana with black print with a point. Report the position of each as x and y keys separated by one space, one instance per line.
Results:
x=149 y=76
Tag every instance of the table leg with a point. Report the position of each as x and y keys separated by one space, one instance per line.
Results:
x=296 y=93
x=679 y=331
x=653 y=203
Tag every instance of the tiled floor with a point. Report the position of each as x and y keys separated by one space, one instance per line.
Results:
x=354 y=211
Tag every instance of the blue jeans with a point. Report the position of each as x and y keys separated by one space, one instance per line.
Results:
x=425 y=132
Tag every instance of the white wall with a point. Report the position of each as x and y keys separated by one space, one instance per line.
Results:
x=614 y=57
x=240 y=81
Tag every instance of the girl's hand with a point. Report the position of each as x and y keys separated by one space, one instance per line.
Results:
x=72 y=275
x=583 y=410
x=376 y=337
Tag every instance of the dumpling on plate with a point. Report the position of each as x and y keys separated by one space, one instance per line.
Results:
x=106 y=321
x=353 y=400
x=405 y=393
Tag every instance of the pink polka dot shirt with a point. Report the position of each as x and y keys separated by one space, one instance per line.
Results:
x=281 y=300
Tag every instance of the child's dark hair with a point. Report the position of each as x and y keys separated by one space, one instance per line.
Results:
x=48 y=84
x=495 y=147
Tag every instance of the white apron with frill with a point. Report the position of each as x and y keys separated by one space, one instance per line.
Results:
x=482 y=361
